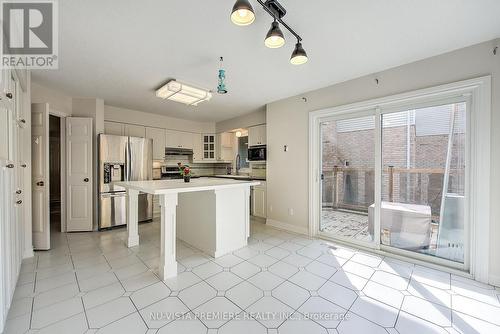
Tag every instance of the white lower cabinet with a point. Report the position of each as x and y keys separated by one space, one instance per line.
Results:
x=259 y=201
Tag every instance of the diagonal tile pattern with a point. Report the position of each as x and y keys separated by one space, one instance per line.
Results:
x=280 y=283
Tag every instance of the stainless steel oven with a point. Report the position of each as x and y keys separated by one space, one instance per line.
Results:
x=257 y=153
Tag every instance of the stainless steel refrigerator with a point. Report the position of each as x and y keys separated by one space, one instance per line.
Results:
x=123 y=159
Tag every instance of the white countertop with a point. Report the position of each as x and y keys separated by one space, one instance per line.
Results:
x=156 y=187
x=244 y=177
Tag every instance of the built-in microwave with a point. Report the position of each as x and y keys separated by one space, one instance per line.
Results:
x=257 y=153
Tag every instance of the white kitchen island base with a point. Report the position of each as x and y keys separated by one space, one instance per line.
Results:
x=210 y=214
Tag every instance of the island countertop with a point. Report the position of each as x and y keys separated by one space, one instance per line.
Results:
x=158 y=187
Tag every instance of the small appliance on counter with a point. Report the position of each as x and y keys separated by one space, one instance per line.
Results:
x=123 y=158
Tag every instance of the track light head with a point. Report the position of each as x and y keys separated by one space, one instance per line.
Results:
x=299 y=55
x=242 y=13
x=274 y=38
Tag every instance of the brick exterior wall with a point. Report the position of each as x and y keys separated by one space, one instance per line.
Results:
x=354 y=151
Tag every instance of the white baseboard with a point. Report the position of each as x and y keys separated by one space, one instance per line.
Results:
x=287 y=227
x=28 y=253
x=494 y=280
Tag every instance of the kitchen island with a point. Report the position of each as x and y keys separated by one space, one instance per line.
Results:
x=210 y=214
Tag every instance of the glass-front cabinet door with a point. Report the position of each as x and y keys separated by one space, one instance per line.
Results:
x=209 y=147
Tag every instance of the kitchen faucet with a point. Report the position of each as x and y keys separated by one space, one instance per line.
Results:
x=238 y=164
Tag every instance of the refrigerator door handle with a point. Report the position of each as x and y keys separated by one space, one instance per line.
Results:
x=127 y=161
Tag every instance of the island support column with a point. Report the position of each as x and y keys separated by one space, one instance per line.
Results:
x=168 y=263
x=132 y=218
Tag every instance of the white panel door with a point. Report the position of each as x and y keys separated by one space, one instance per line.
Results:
x=79 y=174
x=40 y=175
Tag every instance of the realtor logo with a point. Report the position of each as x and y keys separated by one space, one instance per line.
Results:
x=29 y=38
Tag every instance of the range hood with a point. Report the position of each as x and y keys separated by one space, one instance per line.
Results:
x=178 y=151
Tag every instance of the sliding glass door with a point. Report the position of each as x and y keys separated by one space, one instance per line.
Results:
x=348 y=178
x=424 y=180
x=396 y=179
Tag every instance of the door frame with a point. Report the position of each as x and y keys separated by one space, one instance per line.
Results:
x=478 y=90
x=62 y=127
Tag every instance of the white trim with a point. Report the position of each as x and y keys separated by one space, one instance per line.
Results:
x=287 y=227
x=479 y=218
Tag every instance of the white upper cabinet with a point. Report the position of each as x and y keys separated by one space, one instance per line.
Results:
x=179 y=139
x=208 y=149
x=197 y=147
x=135 y=130
x=257 y=135
x=113 y=128
x=225 y=144
x=158 y=136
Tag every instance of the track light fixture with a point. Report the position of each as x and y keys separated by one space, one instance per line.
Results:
x=243 y=14
x=299 y=55
x=274 y=38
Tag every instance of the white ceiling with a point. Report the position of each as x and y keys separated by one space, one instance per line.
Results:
x=123 y=50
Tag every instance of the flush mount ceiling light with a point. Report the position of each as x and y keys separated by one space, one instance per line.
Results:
x=243 y=15
x=182 y=93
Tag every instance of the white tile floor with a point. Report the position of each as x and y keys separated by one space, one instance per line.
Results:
x=281 y=283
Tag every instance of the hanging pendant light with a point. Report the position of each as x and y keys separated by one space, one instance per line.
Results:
x=221 y=88
x=299 y=55
x=242 y=14
x=274 y=38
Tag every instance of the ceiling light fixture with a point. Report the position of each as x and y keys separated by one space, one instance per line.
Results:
x=299 y=55
x=182 y=93
x=274 y=38
x=243 y=14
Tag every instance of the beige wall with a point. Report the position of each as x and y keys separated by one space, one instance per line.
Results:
x=255 y=118
x=56 y=99
x=154 y=120
x=287 y=124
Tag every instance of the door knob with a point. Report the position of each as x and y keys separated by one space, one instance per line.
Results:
x=40 y=183
x=9 y=95
x=24 y=165
x=19 y=191
x=86 y=179
x=10 y=166
x=19 y=202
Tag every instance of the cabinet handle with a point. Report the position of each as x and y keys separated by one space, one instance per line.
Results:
x=24 y=165
x=19 y=202
x=19 y=191
x=9 y=95
x=10 y=166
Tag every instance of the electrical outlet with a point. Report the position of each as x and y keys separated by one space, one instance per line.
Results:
x=290 y=211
